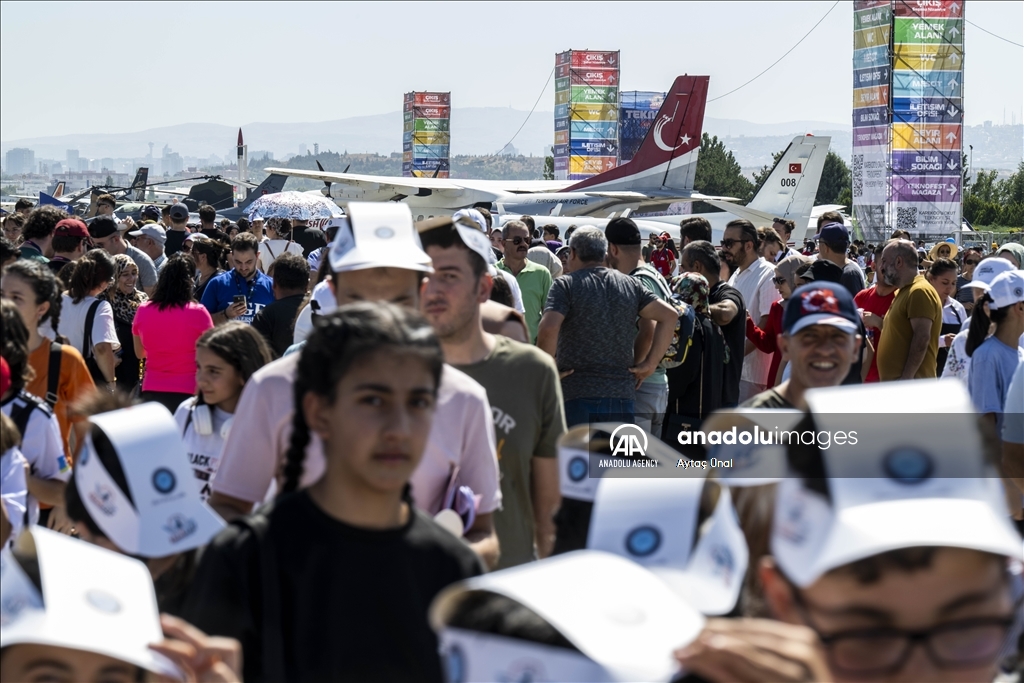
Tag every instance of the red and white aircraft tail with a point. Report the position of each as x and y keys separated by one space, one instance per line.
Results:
x=666 y=162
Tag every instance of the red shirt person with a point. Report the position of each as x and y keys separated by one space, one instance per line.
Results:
x=875 y=302
x=662 y=258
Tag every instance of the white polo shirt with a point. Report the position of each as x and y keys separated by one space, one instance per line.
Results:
x=759 y=293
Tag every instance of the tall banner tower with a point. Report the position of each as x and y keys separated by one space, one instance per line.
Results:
x=586 y=113
x=907 y=116
x=426 y=134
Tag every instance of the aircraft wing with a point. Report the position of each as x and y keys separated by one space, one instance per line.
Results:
x=417 y=186
x=668 y=196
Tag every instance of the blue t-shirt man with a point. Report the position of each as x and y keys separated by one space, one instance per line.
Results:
x=221 y=291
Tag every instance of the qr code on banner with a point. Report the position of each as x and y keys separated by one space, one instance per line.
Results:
x=858 y=175
x=906 y=218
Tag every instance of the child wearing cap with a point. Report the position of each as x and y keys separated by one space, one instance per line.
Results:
x=132 y=491
x=75 y=612
x=958 y=363
x=334 y=581
x=377 y=257
x=994 y=359
x=888 y=561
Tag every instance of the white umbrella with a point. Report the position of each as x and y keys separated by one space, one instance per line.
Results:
x=294 y=205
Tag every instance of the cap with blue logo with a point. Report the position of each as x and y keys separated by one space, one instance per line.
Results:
x=83 y=598
x=377 y=235
x=655 y=522
x=899 y=486
x=1006 y=289
x=163 y=512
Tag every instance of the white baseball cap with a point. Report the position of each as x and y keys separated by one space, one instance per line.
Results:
x=162 y=513
x=655 y=522
x=630 y=632
x=378 y=235
x=87 y=599
x=987 y=271
x=152 y=230
x=472 y=229
x=1006 y=289
x=897 y=487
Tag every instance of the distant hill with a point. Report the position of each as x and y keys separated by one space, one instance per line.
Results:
x=475 y=131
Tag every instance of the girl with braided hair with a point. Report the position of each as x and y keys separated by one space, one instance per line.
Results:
x=334 y=581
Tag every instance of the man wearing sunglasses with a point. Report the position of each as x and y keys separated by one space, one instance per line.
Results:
x=534 y=279
x=964 y=294
x=753 y=278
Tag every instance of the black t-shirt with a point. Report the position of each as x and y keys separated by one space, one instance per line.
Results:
x=57 y=264
x=310 y=239
x=276 y=322
x=352 y=602
x=175 y=240
x=735 y=338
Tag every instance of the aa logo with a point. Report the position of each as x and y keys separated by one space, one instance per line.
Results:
x=629 y=441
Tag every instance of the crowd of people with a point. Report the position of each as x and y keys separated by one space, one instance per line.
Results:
x=366 y=450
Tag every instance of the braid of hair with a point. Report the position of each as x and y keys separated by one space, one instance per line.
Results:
x=56 y=302
x=338 y=341
x=296 y=454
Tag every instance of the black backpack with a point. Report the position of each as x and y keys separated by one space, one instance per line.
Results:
x=87 y=350
x=20 y=414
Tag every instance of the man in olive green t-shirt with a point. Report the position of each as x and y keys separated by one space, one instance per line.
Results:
x=534 y=279
x=522 y=386
x=910 y=340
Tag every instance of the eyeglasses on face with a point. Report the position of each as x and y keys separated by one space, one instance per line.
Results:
x=728 y=242
x=779 y=280
x=972 y=262
x=516 y=240
x=875 y=652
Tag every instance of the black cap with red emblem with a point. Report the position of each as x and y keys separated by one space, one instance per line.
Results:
x=820 y=303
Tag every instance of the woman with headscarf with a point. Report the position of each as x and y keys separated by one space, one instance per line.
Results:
x=695 y=387
x=765 y=340
x=125 y=299
x=1012 y=252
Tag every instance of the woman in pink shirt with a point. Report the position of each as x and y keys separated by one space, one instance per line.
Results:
x=165 y=331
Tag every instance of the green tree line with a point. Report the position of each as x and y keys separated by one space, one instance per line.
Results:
x=992 y=202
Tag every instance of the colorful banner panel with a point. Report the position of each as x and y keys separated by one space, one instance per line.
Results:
x=426 y=134
x=637 y=112
x=872 y=77
x=586 y=113
x=927 y=115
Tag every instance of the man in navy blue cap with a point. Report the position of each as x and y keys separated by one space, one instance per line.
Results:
x=833 y=244
x=820 y=337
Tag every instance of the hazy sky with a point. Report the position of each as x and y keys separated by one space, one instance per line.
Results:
x=133 y=66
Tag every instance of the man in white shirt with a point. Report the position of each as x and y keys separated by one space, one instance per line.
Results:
x=753 y=278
